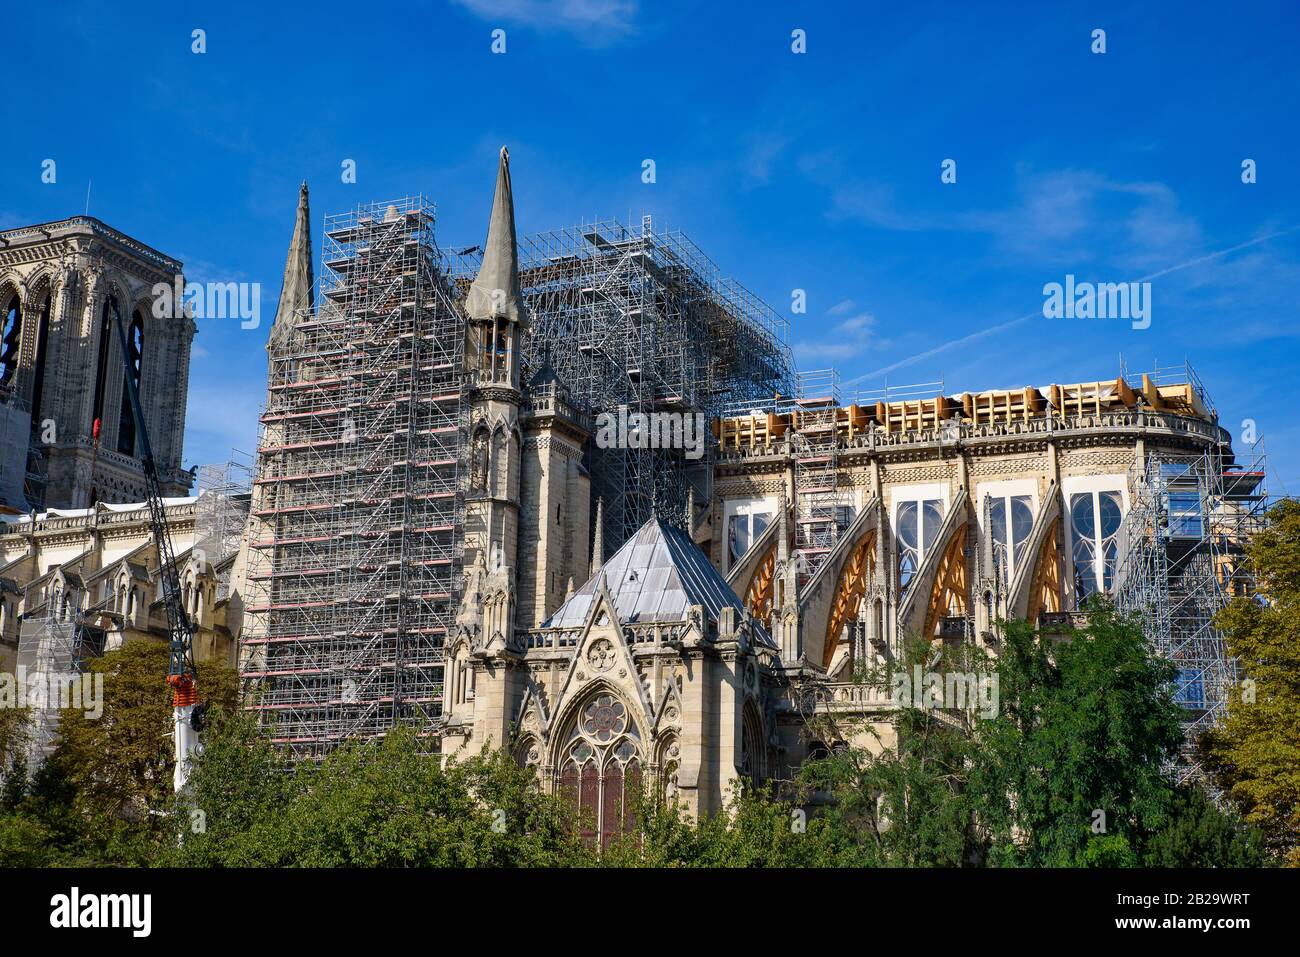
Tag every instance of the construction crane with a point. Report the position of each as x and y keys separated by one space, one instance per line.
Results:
x=182 y=677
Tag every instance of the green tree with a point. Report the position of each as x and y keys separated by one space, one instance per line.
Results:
x=231 y=815
x=904 y=803
x=13 y=750
x=1086 y=729
x=104 y=795
x=120 y=761
x=755 y=830
x=1073 y=770
x=1255 y=753
x=385 y=803
x=1201 y=834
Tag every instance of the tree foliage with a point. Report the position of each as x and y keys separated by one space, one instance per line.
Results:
x=1071 y=768
x=104 y=795
x=904 y=803
x=1076 y=762
x=368 y=804
x=1073 y=771
x=1255 y=752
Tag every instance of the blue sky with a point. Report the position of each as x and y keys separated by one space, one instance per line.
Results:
x=818 y=171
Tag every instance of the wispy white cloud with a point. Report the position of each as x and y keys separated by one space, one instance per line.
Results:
x=1197 y=261
x=845 y=340
x=1083 y=215
x=596 y=22
x=1073 y=215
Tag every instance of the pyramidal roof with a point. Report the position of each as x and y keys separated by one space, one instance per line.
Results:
x=656 y=576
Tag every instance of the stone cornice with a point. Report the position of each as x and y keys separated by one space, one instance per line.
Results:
x=496 y=393
x=105 y=522
x=55 y=233
x=1090 y=431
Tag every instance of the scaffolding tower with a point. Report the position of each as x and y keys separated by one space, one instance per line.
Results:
x=53 y=646
x=820 y=507
x=221 y=513
x=638 y=321
x=1181 y=558
x=358 y=501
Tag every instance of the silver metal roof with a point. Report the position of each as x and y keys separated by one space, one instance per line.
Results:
x=656 y=576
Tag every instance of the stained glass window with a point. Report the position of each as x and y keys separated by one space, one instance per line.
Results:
x=601 y=774
x=604 y=718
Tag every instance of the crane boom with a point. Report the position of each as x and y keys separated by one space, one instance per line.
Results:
x=181 y=673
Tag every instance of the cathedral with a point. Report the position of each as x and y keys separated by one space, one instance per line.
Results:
x=439 y=533
x=698 y=651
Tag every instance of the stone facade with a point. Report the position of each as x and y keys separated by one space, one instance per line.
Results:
x=952 y=524
x=100 y=565
x=61 y=362
x=651 y=670
x=555 y=554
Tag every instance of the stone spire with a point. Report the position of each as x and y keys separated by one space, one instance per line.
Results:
x=495 y=291
x=598 y=538
x=296 y=291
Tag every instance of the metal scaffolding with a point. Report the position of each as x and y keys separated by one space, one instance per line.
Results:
x=358 y=500
x=221 y=513
x=637 y=321
x=1181 y=557
x=21 y=441
x=821 y=509
x=53 y=646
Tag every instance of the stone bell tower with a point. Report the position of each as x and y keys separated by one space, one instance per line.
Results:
x=496 y=318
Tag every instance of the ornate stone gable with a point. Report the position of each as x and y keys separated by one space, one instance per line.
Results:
x=604 y=658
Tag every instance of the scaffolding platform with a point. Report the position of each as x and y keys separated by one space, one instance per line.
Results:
x=640 y=319
x=358 y=496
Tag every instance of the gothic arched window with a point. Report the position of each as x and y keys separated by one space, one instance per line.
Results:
x=1095 y=518
x=10 y=339
x=600 y=768
x=918 y=521
x=1011 y=518
x=101 y=364
x=135 y=356
x=38 y=359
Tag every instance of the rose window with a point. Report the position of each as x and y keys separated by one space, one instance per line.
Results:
x=604 y=718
